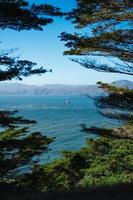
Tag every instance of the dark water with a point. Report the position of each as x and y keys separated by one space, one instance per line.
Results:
x=58 y=119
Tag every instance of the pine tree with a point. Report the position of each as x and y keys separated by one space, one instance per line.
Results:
x=118 y=104
x=106 y=160
x=20 y=15
x=18 y=147
x=109 y=34
x=110 y=37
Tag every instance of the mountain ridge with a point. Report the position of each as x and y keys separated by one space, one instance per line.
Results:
x=57 y=89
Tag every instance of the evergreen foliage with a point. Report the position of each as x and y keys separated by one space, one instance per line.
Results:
x=14 y=68
x=20 y=15
x=109 y=34
x=107 y=160
x=118 y=104
x=18 y=147
x=102 y=162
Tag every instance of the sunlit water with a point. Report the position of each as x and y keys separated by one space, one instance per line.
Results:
x=58 y=119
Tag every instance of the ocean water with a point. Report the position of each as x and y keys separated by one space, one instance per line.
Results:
x=57 y=119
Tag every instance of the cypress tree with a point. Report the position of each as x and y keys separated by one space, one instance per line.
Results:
x=106 y=46
x=18 y=146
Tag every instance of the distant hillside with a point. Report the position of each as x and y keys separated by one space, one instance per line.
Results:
x=22 y=89
x=124 y=83
x=57 y=89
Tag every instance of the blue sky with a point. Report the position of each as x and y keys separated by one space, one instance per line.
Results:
x=46 y=49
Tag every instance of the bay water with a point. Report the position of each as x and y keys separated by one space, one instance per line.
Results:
x=59 y=117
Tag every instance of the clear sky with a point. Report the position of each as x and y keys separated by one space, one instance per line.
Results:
x=46 y=49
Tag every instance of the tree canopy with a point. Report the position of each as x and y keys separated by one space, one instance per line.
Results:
x=15 y=68
x=106 y=160
x=108 y=33
x=20 y=15
x=18 y=145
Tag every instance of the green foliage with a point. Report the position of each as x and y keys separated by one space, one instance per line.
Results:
x=9 y=119
x=122 y=132
x=102 y=162
x=14 y=68
x=118 y=104
x=108 y=34
x=112 y=89
x=17 y=150
x=105 y=161
x=20 y=15
x=18 y=146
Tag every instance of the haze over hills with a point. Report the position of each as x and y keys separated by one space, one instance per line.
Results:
x=57 y=89
x=124 y=83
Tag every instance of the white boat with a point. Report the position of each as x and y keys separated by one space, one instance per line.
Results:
x=67 y=102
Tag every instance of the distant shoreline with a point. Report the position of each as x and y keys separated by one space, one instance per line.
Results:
x=19 y=89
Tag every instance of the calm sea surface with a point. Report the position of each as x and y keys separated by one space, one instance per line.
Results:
x=58 y=119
